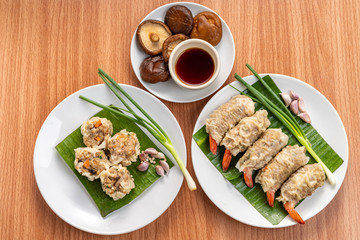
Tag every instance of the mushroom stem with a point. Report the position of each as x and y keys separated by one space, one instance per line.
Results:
x=154 y=37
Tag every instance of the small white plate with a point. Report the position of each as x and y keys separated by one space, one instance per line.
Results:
x=65 y=194
x=224 y=195
x=169 y=90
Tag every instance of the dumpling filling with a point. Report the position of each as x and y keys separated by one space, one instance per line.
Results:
x=117 y=182
x=124 y=148
x=96 y=131
x=90 y=162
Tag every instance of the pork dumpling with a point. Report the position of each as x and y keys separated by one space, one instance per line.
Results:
x=96 y=131
x=90 y=162
x=124 y=148
x=117 y=182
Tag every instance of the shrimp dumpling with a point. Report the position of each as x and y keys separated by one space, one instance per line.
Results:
x=124 y=148
x=90 y=162
x=117 y=182
x=96 y=131
x=300 y=185
x=228 y=115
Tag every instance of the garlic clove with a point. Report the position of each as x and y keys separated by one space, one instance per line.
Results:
x=305 y=117
x=301 y=104
x=143 y=157
x=159 y=155
x=165 y=166
x=151 y=151
x=286 y=98
x=159 y=170
x=143 y=166
x=293 y=95
x=294 y=107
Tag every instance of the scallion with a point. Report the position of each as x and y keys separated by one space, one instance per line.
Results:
x=148 y=122
x=286 y=118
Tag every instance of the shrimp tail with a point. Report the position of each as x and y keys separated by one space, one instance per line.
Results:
x=248 y=177
x=270 y=197
x=226 y=160
x=289 y=207
x=213 y=145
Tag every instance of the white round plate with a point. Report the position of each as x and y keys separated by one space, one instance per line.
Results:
x=62 y=190
x=224 y=195
x=169 y=90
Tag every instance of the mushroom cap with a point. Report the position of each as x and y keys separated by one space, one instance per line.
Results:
x=151 y=35
x=170 y=43
x=154 y=69
x=179 y=19
x=207 y=26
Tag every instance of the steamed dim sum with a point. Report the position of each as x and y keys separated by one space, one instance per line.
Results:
x=300 y=185
x=261 y=152
x=286 y=162
x=227 y=116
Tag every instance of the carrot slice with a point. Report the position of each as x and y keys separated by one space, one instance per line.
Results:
x=226 y=160
x=97 y=138
x=86 y=164
x=98 y=124
x=213 y=145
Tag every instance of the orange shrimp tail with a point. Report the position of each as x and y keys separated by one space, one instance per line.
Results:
x=248 y=177
x=213 y=145
x=226 y=160
x=293 y=213
x=270 y=197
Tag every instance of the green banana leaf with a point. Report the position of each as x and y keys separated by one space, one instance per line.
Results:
x=142 y=180
x=255 y=195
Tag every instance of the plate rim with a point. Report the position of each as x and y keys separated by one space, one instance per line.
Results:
x=339 y=181
x=133 y=41
x=72 y=223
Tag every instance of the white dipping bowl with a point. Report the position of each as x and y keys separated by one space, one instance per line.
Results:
x=188 y=44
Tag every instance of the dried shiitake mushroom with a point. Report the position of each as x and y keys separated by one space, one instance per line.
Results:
x=179 y=19
x=151 y=35
x=207 y=26
x=170 y=43
x=154 y=69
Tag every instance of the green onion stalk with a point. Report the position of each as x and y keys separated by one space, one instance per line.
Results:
x=285 y=117
x=150 y=124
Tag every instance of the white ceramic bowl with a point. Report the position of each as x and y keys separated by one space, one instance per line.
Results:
x=188 y=44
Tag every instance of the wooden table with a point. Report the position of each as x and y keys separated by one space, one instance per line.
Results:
x=51 y=49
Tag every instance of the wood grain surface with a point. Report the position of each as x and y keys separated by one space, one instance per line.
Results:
x=51 y=49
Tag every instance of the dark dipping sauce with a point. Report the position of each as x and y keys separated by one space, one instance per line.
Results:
x=195 y=66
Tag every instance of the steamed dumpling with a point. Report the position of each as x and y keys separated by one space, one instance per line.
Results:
x=124 y=148
x=90 y=162
x=96 y=131
x=117 y=182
